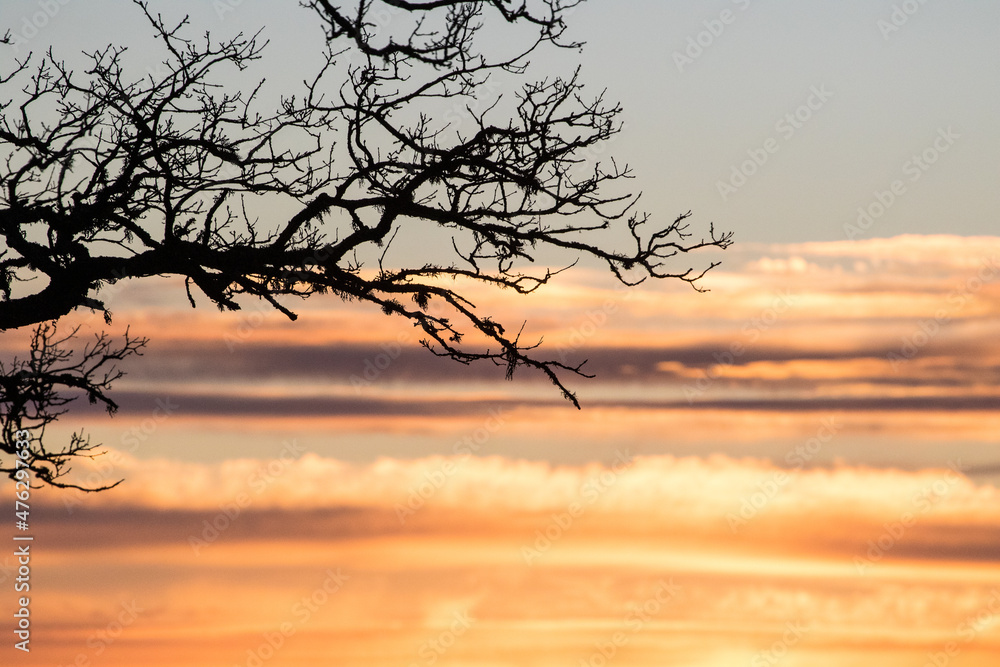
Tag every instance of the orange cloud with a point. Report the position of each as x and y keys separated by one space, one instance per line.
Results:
x=546 y=560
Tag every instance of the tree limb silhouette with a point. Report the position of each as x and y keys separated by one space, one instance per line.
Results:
x=104 y=178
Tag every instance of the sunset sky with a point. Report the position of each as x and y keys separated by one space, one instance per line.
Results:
x=797 y=467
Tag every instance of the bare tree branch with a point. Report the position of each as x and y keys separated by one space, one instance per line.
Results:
x=32 y=396
x=163 y=174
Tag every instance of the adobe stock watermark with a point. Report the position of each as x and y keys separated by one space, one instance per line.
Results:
x=250 y=319
x=698 y=43
x=893 y=531
x=928 y=328
x=585 y=160
x=912 y=171
x=99 y=641
x=224 y=7
x=458 y=113
x=129 y=442
x=31 y=25
x=794 y=632
x=434 y=480
x=432 y=650
x=589 y=492
x=786 y=127
x=766 y=490
x=900 y=16
x=638 y=616
x=375 y=366
x=301 y=612
x=967 y=630
x=594 y=320
x=751 y=332
x=259 y=480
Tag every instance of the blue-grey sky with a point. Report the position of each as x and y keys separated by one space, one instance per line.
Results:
x=696 y=117
x=799 y=433
x=706 y=85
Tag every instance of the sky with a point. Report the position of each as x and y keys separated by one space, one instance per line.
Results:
x=796 y=467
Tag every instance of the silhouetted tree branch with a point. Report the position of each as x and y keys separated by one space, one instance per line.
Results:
x=30 y=398
x=106 y=177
